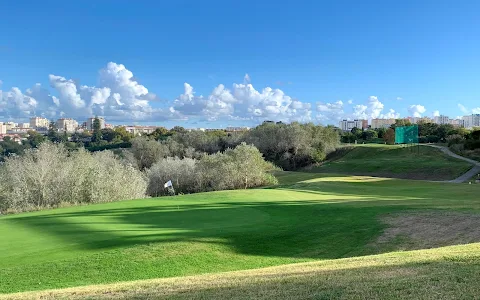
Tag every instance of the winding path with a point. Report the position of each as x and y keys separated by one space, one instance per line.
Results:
x=474 y=171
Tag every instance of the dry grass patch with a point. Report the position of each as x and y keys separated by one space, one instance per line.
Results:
x=424 y=230
x=443 y=273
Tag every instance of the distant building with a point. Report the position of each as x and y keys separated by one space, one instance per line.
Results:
x=471 y=121
x=24 y=125
x=441 y=120
x=3 y=128
x=139 y=130
x=457 y=122
x=38 y=122
x=68 y=125
x=382 y=123
x=90 y=121
x=364 y=124
x=347 y=125
x=14 y=137
x=236 y=129
x=10 y=125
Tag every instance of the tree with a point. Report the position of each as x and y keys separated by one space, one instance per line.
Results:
x=123 y=134
x=369 y=135
x=357 y=132
x=52 y=134
x=160 y=133
x=381 y=132
x=97 y=131
x=34 y=139
x=389 y=136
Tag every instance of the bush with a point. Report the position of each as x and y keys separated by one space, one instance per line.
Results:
x=182 y=172
x=238 y=168
x=50 y=175
x=455 y=139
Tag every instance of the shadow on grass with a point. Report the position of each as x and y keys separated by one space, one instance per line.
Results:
x=342 y=226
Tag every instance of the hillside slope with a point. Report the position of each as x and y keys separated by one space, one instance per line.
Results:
x=443 y=273
x=309 y=217
x=394 y=161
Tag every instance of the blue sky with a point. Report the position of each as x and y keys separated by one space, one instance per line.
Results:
x=306 y=60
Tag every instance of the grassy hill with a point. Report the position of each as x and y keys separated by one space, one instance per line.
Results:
x=396 y=161
x=307 y=218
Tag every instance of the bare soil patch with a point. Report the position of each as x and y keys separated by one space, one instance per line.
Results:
x=423 y=230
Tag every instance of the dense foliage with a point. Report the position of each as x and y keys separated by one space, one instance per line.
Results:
x=50 y=176
x=242 y=167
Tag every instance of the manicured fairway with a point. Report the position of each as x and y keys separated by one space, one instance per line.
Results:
x=304 y=219
x=395 y=161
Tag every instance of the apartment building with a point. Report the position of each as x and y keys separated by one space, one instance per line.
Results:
x=89 y=123
x=39 y=122
x=382 y=123
x=68 y=125
x=471 y=121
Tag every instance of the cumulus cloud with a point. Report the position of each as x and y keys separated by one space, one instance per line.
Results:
x=416 y=110
x=467 y=111
x=15 y=103
x=242 y=102
x=436 y=113
x=118 y=96
x=330 y=112
x=372 y=110
x=399 y=98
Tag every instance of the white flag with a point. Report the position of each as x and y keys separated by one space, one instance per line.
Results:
x=167 y=184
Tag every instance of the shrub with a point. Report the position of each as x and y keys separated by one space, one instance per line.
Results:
x=50 y=175
x=182 y=172
x=239 y=168
x=455 y=139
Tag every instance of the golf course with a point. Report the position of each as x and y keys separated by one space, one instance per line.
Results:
x=349 y=229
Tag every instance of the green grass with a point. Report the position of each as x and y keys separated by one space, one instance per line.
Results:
x=396 y=161
x=306 y=218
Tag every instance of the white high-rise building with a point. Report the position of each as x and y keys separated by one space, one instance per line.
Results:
x=91 y=120
x=68 y=125
x=3 y=128
x=441 y=120
x=38 y=122
x=347 y=125
x=471 y=121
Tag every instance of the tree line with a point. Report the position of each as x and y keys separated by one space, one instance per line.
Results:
x=52 y=174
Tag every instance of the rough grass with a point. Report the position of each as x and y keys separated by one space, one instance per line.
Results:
x=397 y=162
x=442 y=273
x=306 y=218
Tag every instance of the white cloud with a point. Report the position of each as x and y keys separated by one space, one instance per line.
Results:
x=463 y=108
x=436 y=113
x=467 y=111
x=330 y=112
x=417 y=110
x=118 y=97
x=399 y=98
x=242 y=102
x=390 y=115
x=372 y=110
x=246 y=79
x=14 y=103
x=350 y=101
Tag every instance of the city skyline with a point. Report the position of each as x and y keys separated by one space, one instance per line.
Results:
x=323 y=63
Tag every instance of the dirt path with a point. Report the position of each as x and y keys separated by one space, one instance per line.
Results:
x=474 y=171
